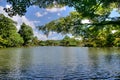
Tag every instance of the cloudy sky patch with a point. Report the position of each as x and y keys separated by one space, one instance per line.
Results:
x=38 y=14
x=53 y=10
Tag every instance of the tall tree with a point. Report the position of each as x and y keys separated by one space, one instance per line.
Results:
x=26 y=32
x=8 y=33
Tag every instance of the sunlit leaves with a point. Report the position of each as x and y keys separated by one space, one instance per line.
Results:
x=8 y=33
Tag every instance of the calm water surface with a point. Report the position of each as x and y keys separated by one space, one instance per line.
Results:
x=60 y=63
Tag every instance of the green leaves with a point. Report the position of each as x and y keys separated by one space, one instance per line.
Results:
x=8 y=33
x=26 y=33
x=18 y=7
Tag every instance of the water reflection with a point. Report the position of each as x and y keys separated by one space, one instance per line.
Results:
x=59 y=63
x=13 y=62
x=105 y=62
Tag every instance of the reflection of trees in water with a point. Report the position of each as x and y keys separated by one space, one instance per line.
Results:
x=68 y=54
x=69 y=60
x=93 y=58
x=13 y=62
x=112 y=60
x=25 y=59
x=108 y=54
x=111 y=55
x=104 y=54
x=77 y=61
x=106 y=60
x=5 y=66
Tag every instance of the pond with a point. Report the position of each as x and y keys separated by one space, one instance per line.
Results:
x=59 y=63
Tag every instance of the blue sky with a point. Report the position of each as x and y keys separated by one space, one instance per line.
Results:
x=42 y=16
x=36 y=16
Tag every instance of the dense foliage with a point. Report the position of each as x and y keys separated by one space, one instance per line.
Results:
x=8 y=33
x=26 y=33
x=9 y=37
x=66 y=41
x=92 y=35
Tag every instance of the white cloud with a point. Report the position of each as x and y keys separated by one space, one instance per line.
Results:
x=39 y=35
x=2 y=11
x=58 y=14
x=52 y=33
x=49 y=17
x=8 y=6
x=45 y=13
x=36 y=22
x=85 y=21
x=22 y=19
x=34 y=6
x=38 y=14
x=52 y=10
x=55 y=36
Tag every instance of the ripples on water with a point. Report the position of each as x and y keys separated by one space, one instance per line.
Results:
x=60 y=63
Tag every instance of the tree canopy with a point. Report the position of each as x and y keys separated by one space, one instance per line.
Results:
x=88 y=8
x=10 y=37
x=26 y=32
x=8 y=33
x=97 y=11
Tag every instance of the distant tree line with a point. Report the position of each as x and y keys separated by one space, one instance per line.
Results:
x=66 y=41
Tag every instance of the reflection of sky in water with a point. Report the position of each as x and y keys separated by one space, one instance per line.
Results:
x=59 y=63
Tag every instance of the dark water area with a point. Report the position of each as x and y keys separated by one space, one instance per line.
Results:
x=60 y=63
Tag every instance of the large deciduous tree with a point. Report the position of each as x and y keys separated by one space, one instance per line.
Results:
x=26 y=33
x=8 y=33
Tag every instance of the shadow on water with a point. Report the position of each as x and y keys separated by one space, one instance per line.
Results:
x=59 y=63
